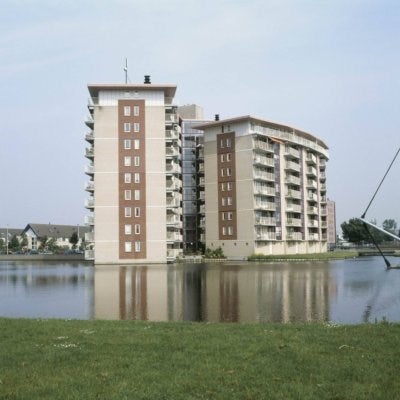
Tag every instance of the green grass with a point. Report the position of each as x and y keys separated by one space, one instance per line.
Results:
x=55 y=359
x=332 y=255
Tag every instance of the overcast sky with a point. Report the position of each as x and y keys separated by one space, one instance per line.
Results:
x=328 y=67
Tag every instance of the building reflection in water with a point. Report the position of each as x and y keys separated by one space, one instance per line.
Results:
x=214 y=293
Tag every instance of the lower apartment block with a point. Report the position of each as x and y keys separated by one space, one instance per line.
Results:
x=265 y=188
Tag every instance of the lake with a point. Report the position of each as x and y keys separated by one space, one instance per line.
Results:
x=343 y=291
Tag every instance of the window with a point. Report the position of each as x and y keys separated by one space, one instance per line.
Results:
x=228 y=171
x=222 y=143
x=224 y=230
x=229 y=157
x=137 y=194
x=222 y=201
x=229 y=186
x=229 y=201
x=228 y=142
x=136 y=127
x=222 y=187
x=127 y=127
x=128 y=247
x=222 y=157
x=128 y=212
x=136 y=145
x=137 y=211
x=230 y=230
x=222 y=171
x=137 y=229
x=127 y=144
x=127 y=161
x=136 y=111
x=136 y=161
x=128 y=229
x=137 y=247
x=127 y=111
x=128 y=195
x=127 y=178
x=136 y=177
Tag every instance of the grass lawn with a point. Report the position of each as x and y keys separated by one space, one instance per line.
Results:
x=57 y=359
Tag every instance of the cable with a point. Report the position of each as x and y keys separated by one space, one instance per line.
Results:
x=380 y=184
x=376 y=245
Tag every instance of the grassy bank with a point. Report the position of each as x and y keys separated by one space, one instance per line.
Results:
x=332 y=255
x=54 y=359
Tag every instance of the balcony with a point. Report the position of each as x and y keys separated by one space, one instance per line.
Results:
x=263 y=146
x=270 y=221
x=294 y=194
x=172 y=152
x=89 y=255
x=89 y=237
x=89 y=137
x=312 y=197
x=323 y=199
x=202 y=195
x=294 y=236
x=89 y=153
x=264 y=205
x=174 y=237
x=264 y=191
x=173 y=220
x=202 y=209
x=312 y=210
x=292 y=166
x=323 y=187
x=264 y=176
x=172 y=254
x=200 y=167
x=89 y=169
x=324 y=211
x=324 y=224
x=173 y=202
x=293 y=222
x=322 y=162
x=265 y=236
x=311 y=171
x=291 y=179
x=290 y=151
x=264 y=161
x=202 y=223
x=173 y=185
x=173 y=169
x=293 y=208
x=322 y=175
x=313 y=236
x=89 y=186
x=89 y=203
x=89 y=220
x=311 y=159
x=201 y=181
x=171 y=135
x=313 y=223
x=89 y=121
x=312 y=184
x=170 y=119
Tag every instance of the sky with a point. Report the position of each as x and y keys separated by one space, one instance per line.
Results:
x=330 y=68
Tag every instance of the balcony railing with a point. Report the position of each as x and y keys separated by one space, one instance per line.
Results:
x=313 y=223
x=312 y=197
x=266 y=236
x=269 y=206
x=173 y=169
x=264 y=176
x=311 y=159
x=294 y=236
x=293 y=222
x=313 y=236
x=173 y=253
x=89 y=254
x=171 y=152
x=292 y=152
x=89 y=152
x=170 y=118
x=174 y=237
x=293 y=208
x=174 y=185
x=173 y=203
x=89 y=186
x=294 y=180
x=265 y=221
x=89 y=237
x=266 y=161
x=171 y=134
x=265 y=191
x=89 y=169
x=89 y=220
x=89 y=137
x=263 y=146
x=89 y=203
x=294 y=194
x=323 y=187
x=201 y=181
x=89 y=121
x=312 y=184
x=173 y=220
x=312 y=210
x=311 y=171
x=290 y=165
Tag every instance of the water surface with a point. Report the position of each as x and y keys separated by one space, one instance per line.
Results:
x=344 y=291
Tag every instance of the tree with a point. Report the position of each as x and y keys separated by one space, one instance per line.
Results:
x=52 y=245
x=2 y=246
x=43 y=242
x=74 y=239
x=13 y=244
x=24 y=241
x=389 y=225
x=354 y=231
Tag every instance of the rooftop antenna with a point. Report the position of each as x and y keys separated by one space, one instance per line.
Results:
x=126 y=71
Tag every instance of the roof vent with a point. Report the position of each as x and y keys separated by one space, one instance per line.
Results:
x=217 y=117
x=147 y=79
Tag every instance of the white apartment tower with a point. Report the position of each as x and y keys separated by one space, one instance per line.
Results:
x=265 y=188
x=135 y=174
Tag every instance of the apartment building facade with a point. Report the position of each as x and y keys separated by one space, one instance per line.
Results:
x=265 y=188
x=134 y=174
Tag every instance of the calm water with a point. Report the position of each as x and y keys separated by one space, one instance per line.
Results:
x=346 y=291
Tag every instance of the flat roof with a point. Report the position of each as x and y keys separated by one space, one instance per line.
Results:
x=264 y=122
x=94 y=88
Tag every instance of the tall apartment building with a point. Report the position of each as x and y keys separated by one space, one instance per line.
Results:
x=265 y=188
x=193 y=178
x=331 y=219
x=135 y=173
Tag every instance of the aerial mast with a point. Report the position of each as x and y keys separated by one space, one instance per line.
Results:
x=126 y=71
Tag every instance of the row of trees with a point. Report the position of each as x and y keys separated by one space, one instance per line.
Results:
x=354 y=231
x=45 y=244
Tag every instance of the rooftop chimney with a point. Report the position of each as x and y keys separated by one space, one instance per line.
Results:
x=217 y=117
x=147 y=79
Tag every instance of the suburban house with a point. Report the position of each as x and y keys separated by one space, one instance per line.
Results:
x=61 y=233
